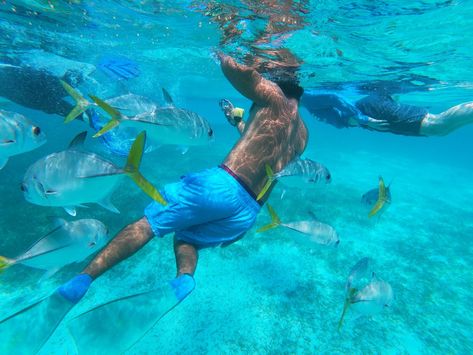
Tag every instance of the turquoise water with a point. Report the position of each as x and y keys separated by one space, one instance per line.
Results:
x=267 y=293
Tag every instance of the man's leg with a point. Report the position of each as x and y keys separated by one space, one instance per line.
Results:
x=128 y=241
x=447 y=121
x=186 y=257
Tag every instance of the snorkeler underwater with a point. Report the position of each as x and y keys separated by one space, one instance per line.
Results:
x=176 y=177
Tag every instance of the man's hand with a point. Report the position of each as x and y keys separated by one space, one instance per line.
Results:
x=222 y=57
x=378 y=125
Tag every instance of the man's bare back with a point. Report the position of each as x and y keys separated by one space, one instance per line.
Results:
x=275 y=133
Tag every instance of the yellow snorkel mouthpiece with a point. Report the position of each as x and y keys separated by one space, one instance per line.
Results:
x=238 y=112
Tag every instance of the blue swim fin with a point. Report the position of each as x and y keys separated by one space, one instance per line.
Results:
x=119 y=68
x=26 y=331
x=116 y=326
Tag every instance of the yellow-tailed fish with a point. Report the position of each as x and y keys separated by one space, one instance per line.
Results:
x=163 y=125
x=311 y=231
x=299 y=173
x=382 y=199
x=365 y=294
x=74 y=177
x=372 y=299
x=66 y=243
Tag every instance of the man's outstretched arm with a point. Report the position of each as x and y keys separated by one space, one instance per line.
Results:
x=248 y=81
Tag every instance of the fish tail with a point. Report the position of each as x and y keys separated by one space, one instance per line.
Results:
x=270 y=175
x=132 y=169
x=114 y=114
x=5 y=263
x=348 y=299
x=81 y=103
x=381 y=198
x=275 y=221
x=345 y=307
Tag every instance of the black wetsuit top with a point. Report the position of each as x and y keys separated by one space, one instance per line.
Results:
x=403 y=119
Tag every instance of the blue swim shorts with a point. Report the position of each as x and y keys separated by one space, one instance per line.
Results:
x=206 y=209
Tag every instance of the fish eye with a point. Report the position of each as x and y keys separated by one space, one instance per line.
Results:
x=329 y=176
x=210 y=132
x=23 y=187
x=36 y=130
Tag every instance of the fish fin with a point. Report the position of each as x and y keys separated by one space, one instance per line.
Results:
x=275 y=221
x=17 y=333
x=313 y=215
x=70 y=210
x=381 y=199
x=114 y=114
x=78 y=141
x=132 y=169
x=3 y=162
x=107 y=127
x=270 y=175
x=20 y=260
x=167 y=97
x=81 y=103
x=5 y=263
x=147 y=309
x=107 y=204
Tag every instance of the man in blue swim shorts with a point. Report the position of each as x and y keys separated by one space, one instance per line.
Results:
x=217 y=206
x=380 y=112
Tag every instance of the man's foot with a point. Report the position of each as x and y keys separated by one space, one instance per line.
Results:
x=182 y=286
x=76 y=288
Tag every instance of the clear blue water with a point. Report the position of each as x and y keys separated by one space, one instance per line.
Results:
x=268 y=293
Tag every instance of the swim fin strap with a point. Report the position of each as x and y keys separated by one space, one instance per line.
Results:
x=26 y=331
x=118 y=325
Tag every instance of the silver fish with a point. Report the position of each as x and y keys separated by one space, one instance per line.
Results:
x=372 y=298
x=303 y=171
x=17 y=135
x=299 y=173
x=164 y=125
x=313 y=230
x=316 y=231
x=68 y=242
x=70 y=178
x=364 y=292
